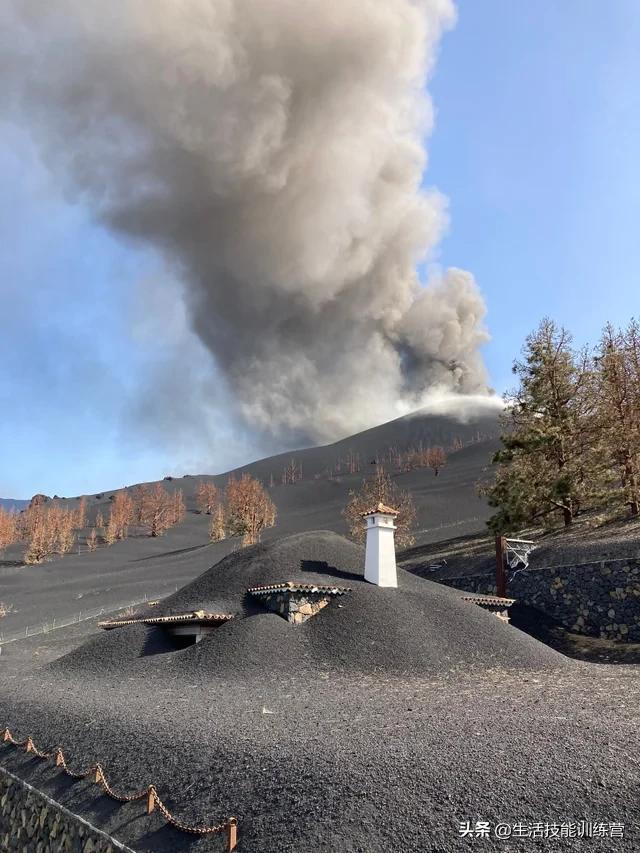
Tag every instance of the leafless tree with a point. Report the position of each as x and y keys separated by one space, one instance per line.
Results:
x=158 y=512
x=8 y=528
x=249 y=509
x=80 y=519
x=217 y=529
x=436 y=458
x=381 y=489
x=292 y=472
x=92 y=540
x=120 y=518
x=207 y=496
x=178 y=508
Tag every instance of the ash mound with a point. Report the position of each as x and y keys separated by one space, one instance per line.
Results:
x=419 y=629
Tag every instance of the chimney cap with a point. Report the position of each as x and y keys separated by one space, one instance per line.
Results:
x=380 y=508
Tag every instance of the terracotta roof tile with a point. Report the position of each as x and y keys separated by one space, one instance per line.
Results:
x=380 y=507
x=290 y=586
x=199 y=617
x=489 y=599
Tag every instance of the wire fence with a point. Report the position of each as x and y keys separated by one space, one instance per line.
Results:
x=149 y=793
x=81 y=616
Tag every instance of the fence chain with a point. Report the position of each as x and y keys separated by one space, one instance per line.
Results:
x=150 y=793
x=196 y=830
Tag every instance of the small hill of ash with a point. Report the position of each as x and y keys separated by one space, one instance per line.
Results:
x=420 y=629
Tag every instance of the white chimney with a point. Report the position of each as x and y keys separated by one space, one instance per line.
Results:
x=380 y=555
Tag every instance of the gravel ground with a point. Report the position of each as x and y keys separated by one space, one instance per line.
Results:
x=343 y=764
x=377 y=725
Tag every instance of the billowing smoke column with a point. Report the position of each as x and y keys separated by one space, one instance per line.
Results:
x=272 y=150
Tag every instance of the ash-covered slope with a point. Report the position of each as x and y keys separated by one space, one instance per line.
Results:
x=124 y=573
x=421 y=628
x=401 y=433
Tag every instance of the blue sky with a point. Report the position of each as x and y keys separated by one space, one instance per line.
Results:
x=536 y=146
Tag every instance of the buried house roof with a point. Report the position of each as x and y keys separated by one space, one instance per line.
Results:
x=489 y=600
x=197 y=617
x=289 y=586
x=381 y=630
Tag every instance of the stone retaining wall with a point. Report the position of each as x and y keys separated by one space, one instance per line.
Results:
x=31 y=822
x=600 y=599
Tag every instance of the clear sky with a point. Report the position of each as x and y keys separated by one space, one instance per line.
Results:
x=535 y=144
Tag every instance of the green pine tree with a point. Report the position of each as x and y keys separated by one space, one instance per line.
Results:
x=618 y=411
x=548 y=466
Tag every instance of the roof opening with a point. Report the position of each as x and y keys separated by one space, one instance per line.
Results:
x=182 y=629
x=183 y=641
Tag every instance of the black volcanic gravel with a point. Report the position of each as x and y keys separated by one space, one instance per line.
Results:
x=378 y=725
x=421 y=628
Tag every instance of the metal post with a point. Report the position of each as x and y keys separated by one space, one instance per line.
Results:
x=232 y=834
x=501 y=575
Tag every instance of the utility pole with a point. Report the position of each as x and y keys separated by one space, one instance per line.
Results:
x=501 y=574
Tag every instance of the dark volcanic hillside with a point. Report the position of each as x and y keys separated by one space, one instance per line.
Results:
x=128 y=571
x=13 y=503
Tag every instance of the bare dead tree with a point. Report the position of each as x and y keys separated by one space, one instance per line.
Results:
x=158 y=511
x=436 y=458
x=380 y=488
x=178 y=508
x=92 y=540
x=292 y=472
x=8 y=528
x=207 y=497
x=217 y=528
x=249 y=509
x=80 y=519
x=120 y=518
x=352 y=462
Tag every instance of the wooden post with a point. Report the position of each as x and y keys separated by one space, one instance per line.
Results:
x=232 y=834
x=59 y=758
x=97 y=774
x=6 y=735
x=29 y=746
x=151 y=799
x=501 y=575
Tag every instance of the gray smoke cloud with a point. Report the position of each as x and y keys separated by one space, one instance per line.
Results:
x=273 y=151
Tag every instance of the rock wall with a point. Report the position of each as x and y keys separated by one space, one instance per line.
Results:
x=295 y=607
x=600 y=599
x=31 y=822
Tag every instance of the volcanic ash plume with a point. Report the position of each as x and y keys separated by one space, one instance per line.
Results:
x=272 y=150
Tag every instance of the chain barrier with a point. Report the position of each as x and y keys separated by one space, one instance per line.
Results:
x=150 y=793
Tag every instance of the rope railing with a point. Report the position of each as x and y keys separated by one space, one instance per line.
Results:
x=230 y=825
